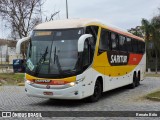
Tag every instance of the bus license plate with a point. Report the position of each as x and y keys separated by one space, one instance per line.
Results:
x=48 y=93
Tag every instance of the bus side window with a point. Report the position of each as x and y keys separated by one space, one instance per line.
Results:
x=122 y=43
x=129 y=44
x=139 y=47
x=114 y=39
x=104 y=41
x=143 y=47
x=135 y=45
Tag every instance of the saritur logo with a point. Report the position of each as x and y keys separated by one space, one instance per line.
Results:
x=42 y=81
x=117 y=58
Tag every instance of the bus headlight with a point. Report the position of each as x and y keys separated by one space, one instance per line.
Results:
x=71 y=84
x=29 y=82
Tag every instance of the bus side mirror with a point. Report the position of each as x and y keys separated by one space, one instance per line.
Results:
x=81 y=41
x=18 y=45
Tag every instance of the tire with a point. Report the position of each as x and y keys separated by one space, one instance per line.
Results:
x=97 y=92
x=134 y=83
x=138 y=80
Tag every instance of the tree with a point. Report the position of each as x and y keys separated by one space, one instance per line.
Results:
x=22 y=16
x=152 y=36
x=136 y=31
x=50 y=18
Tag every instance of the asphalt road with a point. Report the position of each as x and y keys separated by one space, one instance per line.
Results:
x=13 y=98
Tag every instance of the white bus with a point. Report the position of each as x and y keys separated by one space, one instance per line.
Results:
x=81 y=58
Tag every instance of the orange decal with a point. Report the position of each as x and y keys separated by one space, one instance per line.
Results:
x=134 y=59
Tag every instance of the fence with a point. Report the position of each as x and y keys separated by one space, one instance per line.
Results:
x=6 y=68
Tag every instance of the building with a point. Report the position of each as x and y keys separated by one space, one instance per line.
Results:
x=7 y=51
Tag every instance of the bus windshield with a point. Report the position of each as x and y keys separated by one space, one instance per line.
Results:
x=53 y=52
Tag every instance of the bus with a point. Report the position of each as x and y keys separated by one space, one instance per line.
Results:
x=81 y=58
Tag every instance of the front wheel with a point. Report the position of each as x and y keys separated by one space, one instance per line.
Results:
x=97 y=92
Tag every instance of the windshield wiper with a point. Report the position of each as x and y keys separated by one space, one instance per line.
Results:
x=41 y=61
x=56 y=59
x=54 y=55
x=30 y=48
x=58 y=64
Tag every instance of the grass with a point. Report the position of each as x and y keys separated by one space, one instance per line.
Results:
x=154 y=96
x=11 y=78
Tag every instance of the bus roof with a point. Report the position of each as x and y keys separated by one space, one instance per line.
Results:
x=77 y=23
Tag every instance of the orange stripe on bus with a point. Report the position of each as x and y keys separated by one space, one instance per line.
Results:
x=134 y=59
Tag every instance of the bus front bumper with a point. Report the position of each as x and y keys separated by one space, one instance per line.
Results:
x=66 y=93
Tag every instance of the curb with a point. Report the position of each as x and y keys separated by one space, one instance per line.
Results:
x=20 y=84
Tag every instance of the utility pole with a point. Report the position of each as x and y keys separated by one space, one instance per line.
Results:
x=67 y=9
x=40 y=10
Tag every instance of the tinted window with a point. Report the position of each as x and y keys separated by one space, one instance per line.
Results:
x=122 y=43
x=141 y=47
x=135 y=45
x=59 y=49
x=104 y=41
x=93 y=30
x=86 y=54
x=129 y=44
x=114 y=39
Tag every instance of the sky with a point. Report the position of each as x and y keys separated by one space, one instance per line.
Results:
x=125 y=14
x=122 y=13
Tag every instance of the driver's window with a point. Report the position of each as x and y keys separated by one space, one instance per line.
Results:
x=86 y=55
x=91 y=43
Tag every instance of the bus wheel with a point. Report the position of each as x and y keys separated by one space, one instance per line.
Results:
x=138 y=80
x=97 y=92
x=133 y=84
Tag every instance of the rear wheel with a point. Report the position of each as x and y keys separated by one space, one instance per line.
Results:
x=138 y=80
x=97 y=92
